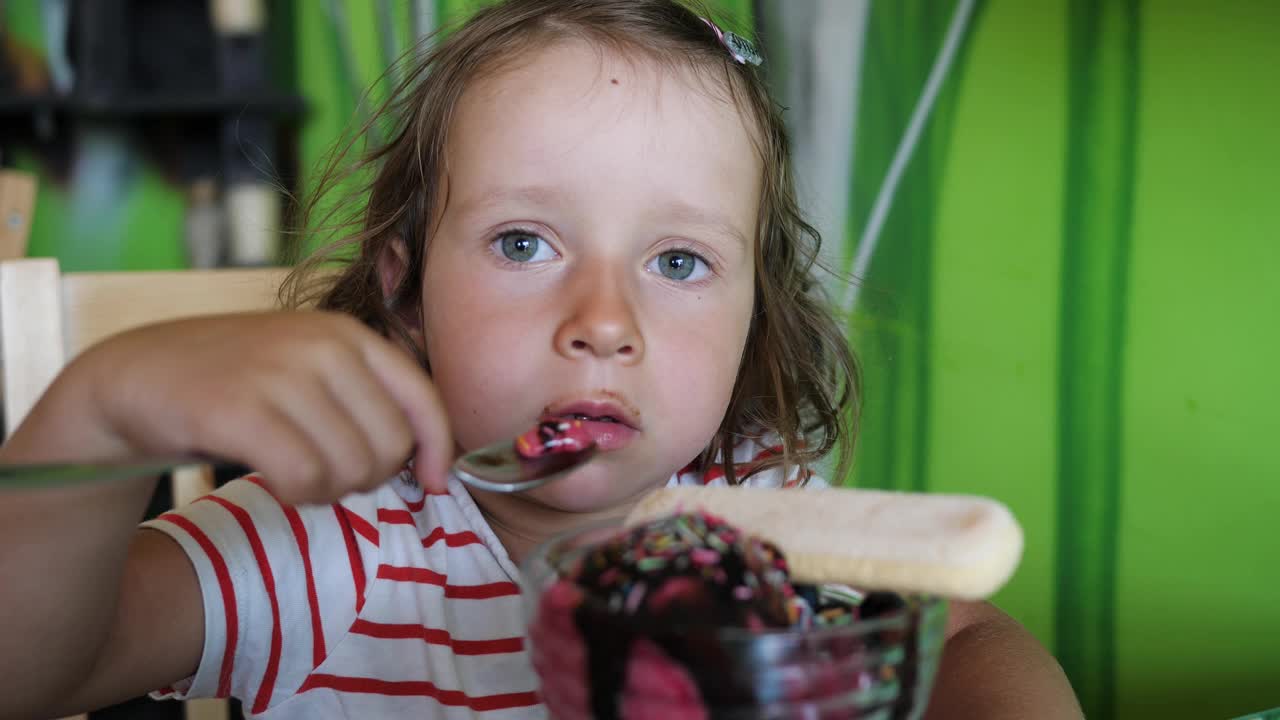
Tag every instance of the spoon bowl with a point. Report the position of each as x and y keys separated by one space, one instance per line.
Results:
x=498 y=468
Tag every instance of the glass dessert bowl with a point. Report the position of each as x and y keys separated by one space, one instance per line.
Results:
x=697 y=643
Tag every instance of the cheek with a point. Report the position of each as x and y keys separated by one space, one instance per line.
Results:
x=698 y=368
x=704 y=366
x=474 y=346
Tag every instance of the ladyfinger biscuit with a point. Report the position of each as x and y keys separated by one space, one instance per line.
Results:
x=955 y=546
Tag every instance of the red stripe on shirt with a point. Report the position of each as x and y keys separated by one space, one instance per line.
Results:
x=395 y=517
x=458 y=539
x=416 y=506
x=426 y=576
x=268 y=684
x=228 y=597
x=481 y=592
x=360 y=525
x=404 y=517
x=436 y=636
x=419 y=688
x=313 y=600
x=353 y=553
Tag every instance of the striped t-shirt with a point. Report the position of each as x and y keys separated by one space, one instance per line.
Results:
x=392 y=603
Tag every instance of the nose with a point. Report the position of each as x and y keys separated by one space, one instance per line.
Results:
x=600 y=321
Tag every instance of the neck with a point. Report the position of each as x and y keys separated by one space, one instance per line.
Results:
x=522 y=523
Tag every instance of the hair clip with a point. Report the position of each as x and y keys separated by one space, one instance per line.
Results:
x=739 y=47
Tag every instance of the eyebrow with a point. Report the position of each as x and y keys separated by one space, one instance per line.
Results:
x=675 y=211
x=532 y=194
x=683 y=213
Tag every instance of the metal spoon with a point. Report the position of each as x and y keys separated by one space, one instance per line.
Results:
x=495 y=468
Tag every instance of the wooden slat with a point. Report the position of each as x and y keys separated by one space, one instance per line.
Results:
x=206 y=710
x=191 y=483
x=30 y=333
x=98 y=305
x=17 y=205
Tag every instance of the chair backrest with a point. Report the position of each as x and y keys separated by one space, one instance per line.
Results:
x=17 y=205
x=47 y=318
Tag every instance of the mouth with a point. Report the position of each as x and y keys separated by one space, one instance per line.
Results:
x=610 y=420
x=590 y=418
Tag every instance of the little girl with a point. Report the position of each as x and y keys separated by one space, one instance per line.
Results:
x=584 y=211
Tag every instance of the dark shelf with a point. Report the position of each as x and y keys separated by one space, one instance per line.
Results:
x=275 y=105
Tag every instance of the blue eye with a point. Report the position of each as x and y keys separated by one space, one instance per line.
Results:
x=523 y=247
x=680 y=265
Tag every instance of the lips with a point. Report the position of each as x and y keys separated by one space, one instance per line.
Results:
x=609 y=435
x=611 y=424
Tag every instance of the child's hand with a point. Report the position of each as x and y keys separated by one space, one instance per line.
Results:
x=317 y=402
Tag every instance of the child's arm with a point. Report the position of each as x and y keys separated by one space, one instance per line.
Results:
x=62 y=554
x=96 y=612
x=992 y=668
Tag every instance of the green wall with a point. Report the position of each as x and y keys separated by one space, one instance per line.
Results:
x=1200 y=480
x=1072 y=309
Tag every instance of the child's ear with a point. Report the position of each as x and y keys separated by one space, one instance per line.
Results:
x=393 y=263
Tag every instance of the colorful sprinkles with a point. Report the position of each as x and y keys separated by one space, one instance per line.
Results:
x=690 y=568
x=741 y=581
x=553 y=436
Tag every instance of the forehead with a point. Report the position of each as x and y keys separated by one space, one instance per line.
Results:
x=578 y=120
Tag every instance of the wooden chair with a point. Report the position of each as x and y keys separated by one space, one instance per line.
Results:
x=47 y=318
x=17 y=205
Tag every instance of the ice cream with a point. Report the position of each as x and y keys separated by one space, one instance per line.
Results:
x=553 y=436
x=635 y=627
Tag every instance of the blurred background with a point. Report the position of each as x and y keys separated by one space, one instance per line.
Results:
x=1064 y=214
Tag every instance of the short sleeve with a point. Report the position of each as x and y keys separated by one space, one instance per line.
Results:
x=280 y=585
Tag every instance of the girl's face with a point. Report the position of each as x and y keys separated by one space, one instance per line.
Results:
x=595 y=260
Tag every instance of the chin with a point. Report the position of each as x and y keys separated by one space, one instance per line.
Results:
x=595 y=488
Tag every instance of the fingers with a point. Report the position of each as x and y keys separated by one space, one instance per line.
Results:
x=274 y=445
x=348 y=462
x=368 y=407
x=375 y=414
x=417 y=398
x=318 y=402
